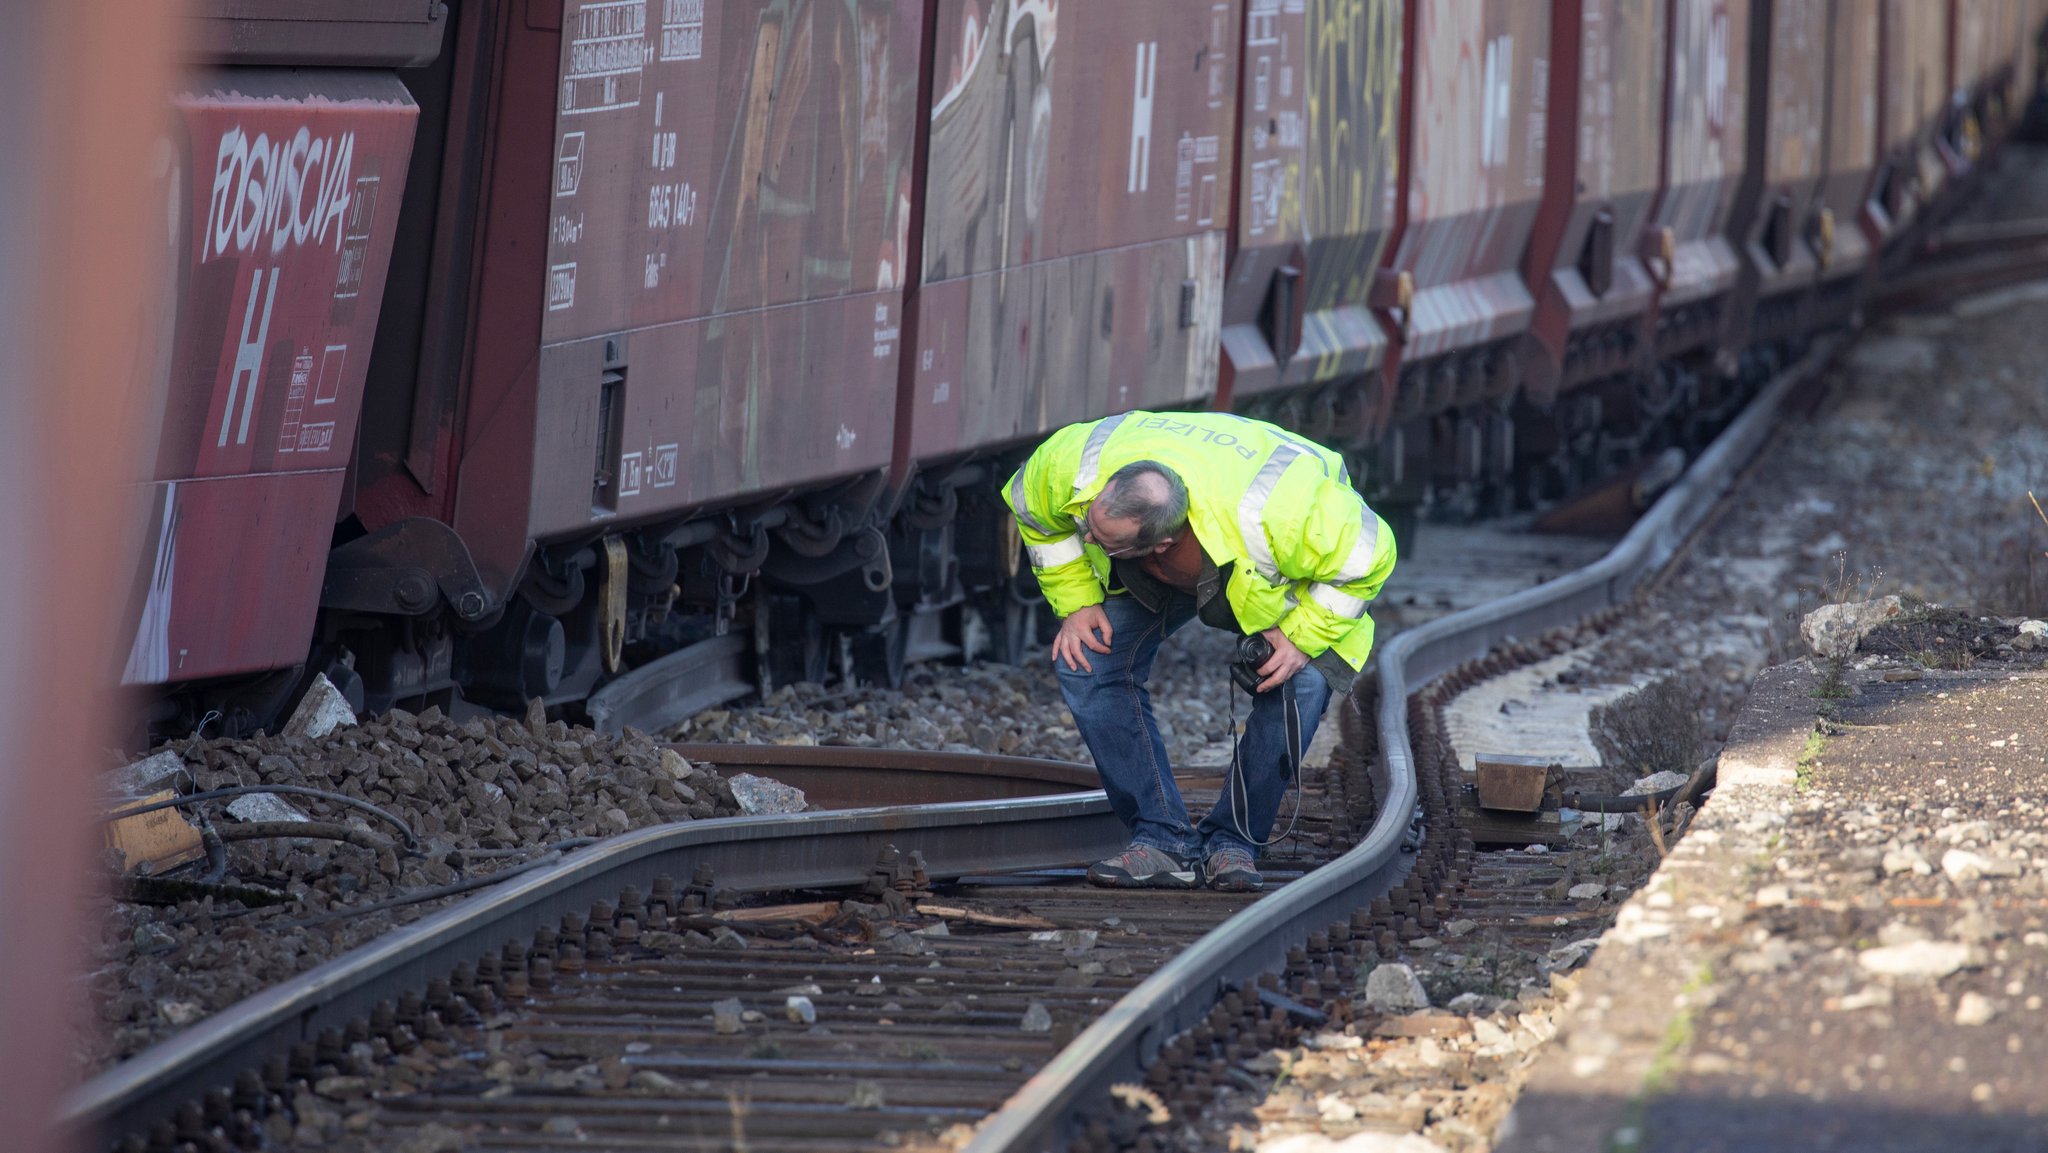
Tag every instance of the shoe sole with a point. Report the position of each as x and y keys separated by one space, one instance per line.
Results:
x=1186 y=880
x=1227 y=884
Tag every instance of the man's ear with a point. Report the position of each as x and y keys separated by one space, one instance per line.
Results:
x=1164 y=545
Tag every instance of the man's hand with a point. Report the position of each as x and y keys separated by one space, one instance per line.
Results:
x=1078 y=635
x=1286 y=661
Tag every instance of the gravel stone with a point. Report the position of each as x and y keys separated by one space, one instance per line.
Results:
x=1898 y=861
x=434 y=1137
x=264 y=807
x=760 y=796
x=1836 y=630
x=148 y=775
x=1974 y=1008
x=1925 y=960
x=321 y=711
x=1655 y=783
x=1964 y=867
x=1394 y=988
x=485 y=783
x=1895 y=354
x=341 y=1088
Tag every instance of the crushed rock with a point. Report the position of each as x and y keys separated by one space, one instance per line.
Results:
x=494 y=783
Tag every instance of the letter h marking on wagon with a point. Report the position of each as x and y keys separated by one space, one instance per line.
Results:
x=248 y=360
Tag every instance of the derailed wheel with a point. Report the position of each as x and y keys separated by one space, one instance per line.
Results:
x=877 y=653
x=1015 y=619
x=790 y=644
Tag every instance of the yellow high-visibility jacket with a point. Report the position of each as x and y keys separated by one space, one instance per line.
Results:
x=1306 y=553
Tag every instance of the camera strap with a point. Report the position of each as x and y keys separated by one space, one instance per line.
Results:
x=1239 y=792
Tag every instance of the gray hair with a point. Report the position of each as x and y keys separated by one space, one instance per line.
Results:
x=1157 y=519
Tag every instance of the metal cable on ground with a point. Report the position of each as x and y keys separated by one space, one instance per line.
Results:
x=417 y=895
x=318 y=830
x=412 y=843
x=546 y=853
x=563 y=845
x=216 y=852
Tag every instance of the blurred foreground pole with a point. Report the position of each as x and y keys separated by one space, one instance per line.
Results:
x=83 y=86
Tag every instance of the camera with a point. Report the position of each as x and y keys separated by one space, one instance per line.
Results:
x=1252 y=652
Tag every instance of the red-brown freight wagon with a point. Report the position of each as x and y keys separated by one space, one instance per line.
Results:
x=1912 y=90
x=1473 y=140
x=1774 y=221
x=1706 y=77
x=1849 y=148
x=709 y=323
x=682 y=231
x=1076 y=193
x=1981 y=55
x=282 y=192
x=1317 y=149
x=1592 y=262
x=1074 y=200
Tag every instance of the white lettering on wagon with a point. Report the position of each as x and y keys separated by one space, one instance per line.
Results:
x=682 y=29
x=1147 y=75
x=248 y=358
x=288 y=191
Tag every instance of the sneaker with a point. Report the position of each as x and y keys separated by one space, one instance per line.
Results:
x=1230 y=870
x=1144 y=867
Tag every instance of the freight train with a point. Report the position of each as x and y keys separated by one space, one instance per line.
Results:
x=628 y=354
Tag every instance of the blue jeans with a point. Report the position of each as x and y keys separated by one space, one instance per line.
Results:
x=1113 y=710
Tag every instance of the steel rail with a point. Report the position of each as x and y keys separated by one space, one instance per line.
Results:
x=1955 y=275
x=1046 y=1111
x=840 y=777
x=805 y=850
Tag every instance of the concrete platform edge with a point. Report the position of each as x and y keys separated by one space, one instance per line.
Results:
x=1628 y=1012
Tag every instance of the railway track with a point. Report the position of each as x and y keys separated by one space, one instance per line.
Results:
x=1965 y=259
x=615 y=998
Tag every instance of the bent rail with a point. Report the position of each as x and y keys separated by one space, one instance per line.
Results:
x=844 y=777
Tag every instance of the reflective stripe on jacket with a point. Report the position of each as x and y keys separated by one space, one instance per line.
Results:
x=1307 y=554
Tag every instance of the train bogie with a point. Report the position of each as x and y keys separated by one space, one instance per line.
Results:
x=690 y=297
